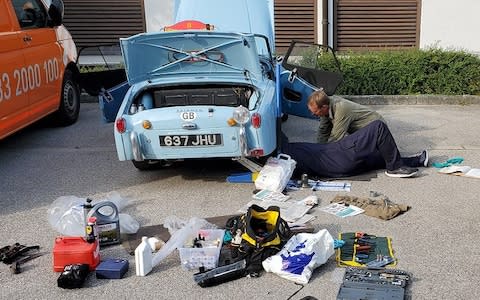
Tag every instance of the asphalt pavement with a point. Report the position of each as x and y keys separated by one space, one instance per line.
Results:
x=436 y=240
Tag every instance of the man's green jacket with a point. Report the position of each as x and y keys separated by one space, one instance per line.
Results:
x=345 y=117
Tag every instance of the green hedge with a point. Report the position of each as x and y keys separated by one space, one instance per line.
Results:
x=408 y=72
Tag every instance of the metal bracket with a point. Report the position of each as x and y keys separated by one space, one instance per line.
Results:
x=292 y=75
x=250 y=165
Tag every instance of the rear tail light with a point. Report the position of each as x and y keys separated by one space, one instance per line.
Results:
x=256 y=120
x=121 y=125
x=257 y=152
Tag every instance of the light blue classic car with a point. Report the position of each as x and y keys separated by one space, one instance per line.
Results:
x=210 y=86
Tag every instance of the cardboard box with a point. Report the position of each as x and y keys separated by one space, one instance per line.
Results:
x=112 y=269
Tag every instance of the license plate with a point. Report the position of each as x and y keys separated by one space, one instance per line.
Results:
x=193 y=140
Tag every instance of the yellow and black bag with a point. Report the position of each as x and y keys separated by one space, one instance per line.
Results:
x=264 y=233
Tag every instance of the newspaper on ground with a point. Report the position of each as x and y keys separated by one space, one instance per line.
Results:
x=342 y=210
x=300 y=223
x=270 y=196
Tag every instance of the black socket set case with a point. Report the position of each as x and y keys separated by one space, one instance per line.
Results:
x=362 y=283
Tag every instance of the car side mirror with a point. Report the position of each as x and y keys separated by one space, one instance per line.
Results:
x=55 y=12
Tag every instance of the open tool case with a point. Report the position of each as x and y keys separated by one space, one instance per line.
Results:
x=365 y=250
x=362 y=283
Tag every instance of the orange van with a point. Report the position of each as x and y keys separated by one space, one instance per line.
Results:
x=37 y=65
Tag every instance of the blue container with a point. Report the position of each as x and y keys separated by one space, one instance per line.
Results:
x=111 y=99
x=112 y=269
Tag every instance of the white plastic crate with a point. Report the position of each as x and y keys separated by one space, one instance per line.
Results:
x=208 y=255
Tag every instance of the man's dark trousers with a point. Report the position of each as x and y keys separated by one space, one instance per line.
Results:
x=369 y=148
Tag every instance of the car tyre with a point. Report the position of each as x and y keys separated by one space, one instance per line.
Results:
x=69 y=109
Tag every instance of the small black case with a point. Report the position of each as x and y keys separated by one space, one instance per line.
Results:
x=73 y=276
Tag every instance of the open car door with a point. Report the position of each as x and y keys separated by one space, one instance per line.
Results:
x=306 y=68
x=101 y=68
x=102 y=74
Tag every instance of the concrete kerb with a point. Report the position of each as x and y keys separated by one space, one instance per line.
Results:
x=382 y=99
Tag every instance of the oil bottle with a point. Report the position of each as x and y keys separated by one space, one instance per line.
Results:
x=108 y=223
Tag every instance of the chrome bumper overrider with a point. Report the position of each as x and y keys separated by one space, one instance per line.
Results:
x=136 y=150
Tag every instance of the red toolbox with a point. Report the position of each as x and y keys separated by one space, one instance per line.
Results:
x=75 y=250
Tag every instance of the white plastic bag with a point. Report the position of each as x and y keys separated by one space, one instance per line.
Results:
x=66 y=214
x=275 y=173
x=117 y=199
x=128 y=224
x=300 y=256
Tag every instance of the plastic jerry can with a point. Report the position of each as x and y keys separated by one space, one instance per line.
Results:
x=108 y=223
x=143 y=258
x=69 y=250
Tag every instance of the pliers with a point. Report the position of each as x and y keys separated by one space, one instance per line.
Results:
x=365 y=241
x=363 y=235
x=363 y=248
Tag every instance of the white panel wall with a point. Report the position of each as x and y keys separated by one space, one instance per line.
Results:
x=450 y=24
x=158 y=14
x=444 y=23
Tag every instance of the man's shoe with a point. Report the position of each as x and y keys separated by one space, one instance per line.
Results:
x=423 y=159
x=402 y=172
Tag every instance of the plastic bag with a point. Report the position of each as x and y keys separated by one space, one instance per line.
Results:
x=300 y=256
x=181 y=232
x=128 y=224
x=66 y=214
x=174 y=223
x=275 y=173
x=114 y=197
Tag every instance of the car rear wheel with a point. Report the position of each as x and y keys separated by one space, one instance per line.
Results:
x=69 y=109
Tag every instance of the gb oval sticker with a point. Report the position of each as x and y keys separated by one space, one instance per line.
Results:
x=188 y=115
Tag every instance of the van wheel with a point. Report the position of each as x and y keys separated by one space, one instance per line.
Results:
x=69 y=109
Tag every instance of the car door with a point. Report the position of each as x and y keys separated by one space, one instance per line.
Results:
x=102 y=74
x=41 y=75
x=13 y=107
x=306 y=68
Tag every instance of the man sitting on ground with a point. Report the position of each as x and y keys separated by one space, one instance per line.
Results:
x=367 y=149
